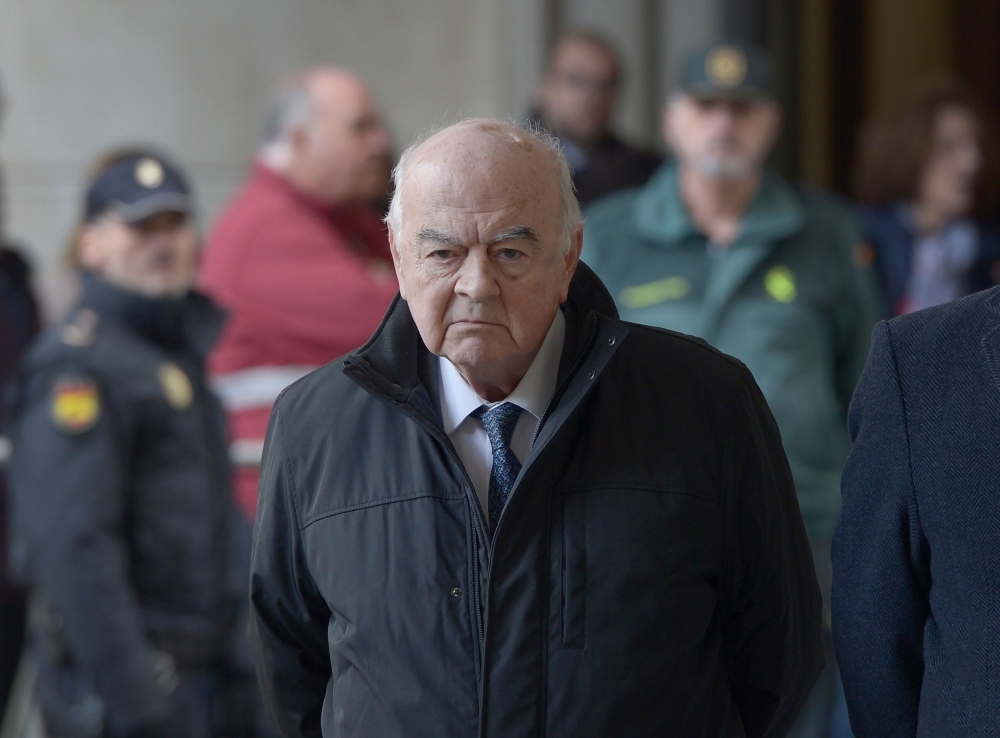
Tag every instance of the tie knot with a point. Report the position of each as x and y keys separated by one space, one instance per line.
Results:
x=499 y=422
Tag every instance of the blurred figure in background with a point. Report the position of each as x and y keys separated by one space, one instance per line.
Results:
x=299 y=258
x=18 y=326
x=576 y=102
x=119 y=479
x=924 y=173
x=717 y=246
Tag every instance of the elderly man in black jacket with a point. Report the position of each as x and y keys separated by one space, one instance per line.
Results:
x=916 y=556
x=511 y=514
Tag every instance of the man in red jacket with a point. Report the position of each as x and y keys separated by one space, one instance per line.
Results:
x=299 y=258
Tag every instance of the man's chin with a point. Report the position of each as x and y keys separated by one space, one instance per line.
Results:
x=471 y=351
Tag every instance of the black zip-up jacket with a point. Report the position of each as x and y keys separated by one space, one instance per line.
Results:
x=649 y=575
x=121 y=495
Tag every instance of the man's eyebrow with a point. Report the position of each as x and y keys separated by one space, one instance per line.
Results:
x=516 y=233
x=429 y=234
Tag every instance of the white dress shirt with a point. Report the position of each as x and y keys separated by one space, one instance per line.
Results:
x=532 y=395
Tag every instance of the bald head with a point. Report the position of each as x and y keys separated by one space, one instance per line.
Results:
x=489 y=150
x=486 y=236
x=324 y=133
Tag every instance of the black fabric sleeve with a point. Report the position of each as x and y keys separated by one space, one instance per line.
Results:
x=289 y=617
x=772 y=621
x=71 y=507
x=880 y=559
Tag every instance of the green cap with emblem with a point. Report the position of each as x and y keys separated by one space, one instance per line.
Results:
x=731 y=69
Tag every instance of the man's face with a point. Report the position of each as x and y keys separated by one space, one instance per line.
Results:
x=156 y=257
x=721 y=138
x=340 y=155
x=577 y=97
x=479 y=257
x=948 y=181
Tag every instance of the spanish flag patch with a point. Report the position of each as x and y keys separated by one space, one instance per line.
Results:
x=76 y=403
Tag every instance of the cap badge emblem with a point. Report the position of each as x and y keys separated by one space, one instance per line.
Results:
x=726 y=67
x=176 y=386
x=149 y=173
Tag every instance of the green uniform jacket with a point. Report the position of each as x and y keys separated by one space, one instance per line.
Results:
x=786 y=298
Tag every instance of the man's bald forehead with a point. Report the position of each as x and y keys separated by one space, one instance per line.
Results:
x=478 y=139
x=326 y=85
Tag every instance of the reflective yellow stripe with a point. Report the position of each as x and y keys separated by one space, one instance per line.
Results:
x=653 y=293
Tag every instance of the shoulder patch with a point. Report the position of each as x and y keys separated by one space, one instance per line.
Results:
x=176 y=386
x=780 y=284
x=76 y=403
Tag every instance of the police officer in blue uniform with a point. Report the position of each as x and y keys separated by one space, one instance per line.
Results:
x=120 y=477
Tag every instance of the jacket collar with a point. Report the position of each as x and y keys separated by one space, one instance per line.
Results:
x=397 y=360
x=192 y=321
x=776 y=211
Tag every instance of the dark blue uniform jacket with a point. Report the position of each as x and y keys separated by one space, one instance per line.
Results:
x=120 y=490
x=892 y=245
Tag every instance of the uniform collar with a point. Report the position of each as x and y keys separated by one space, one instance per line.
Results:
x=191 y=321
x=775 y=212
x=533 y=392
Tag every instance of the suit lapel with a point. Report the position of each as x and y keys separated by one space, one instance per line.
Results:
x=991 y=338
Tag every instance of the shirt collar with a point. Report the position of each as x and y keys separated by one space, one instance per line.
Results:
x=533 y=392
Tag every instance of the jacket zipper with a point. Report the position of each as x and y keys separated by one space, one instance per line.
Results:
x=437 y=433
x=478 y=596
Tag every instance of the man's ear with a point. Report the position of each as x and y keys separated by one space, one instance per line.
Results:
x=87 y=250
x=394 y=246
x=572 y=260
x=666 y=121
x=298 y=142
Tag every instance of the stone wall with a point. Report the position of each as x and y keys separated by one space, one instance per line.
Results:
x=192 y=76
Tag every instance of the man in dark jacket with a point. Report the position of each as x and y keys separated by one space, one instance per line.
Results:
x=509 y=513
x=119 y=476
x=18 y=326
x=576 y=101
x=915 y=574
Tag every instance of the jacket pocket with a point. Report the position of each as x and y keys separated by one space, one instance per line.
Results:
x=574 y=570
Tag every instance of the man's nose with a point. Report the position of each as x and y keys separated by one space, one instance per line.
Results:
x=720 y=121
x=476 y=278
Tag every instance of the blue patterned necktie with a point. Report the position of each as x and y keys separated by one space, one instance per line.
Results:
x=499 y=422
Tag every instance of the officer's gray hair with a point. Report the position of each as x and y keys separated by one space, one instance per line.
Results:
x=517 y=133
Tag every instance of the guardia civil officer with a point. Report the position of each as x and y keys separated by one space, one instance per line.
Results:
x=119 y=474
x=717 y=246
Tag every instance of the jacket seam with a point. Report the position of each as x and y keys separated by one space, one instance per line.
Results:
x=692 y=340
x=906 y=425
x=640 y=487
x=289 y=472
x=375 y=503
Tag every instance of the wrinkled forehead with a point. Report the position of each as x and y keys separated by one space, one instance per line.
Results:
x=474 y=172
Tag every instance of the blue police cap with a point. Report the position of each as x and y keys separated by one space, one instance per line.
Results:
x=139 y=187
